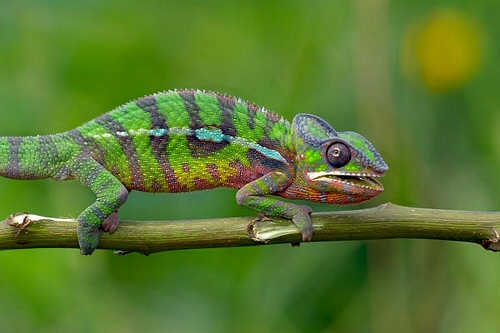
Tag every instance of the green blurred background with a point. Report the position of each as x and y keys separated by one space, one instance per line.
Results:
x=420 y=79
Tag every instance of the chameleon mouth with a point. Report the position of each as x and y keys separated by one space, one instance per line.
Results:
x=359 y=180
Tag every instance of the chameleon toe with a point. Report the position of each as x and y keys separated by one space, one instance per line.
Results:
x=111 y=223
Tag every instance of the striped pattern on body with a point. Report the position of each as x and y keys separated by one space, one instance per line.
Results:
x=187 y=140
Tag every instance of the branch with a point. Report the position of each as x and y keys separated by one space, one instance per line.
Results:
x=385 y=221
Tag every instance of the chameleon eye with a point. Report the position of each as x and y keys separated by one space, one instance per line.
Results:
x=338 y=154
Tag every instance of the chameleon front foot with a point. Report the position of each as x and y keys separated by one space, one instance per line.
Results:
x=264 y=229
x=302 y=219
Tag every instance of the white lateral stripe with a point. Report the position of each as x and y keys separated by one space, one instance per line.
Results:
x=202 y=134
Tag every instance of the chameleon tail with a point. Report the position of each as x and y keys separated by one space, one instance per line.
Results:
x=35 y=157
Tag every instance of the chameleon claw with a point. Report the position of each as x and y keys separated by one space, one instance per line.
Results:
x=262 y=217
x=111 y=223
x=303 y=221
x=259 y=218
x=307 y=233
x=250 y=226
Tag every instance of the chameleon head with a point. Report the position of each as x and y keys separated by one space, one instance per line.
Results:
x=337 y=167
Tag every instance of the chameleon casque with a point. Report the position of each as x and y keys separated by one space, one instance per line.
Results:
x=190 y=140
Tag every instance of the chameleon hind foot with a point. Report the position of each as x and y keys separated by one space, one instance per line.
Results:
x=88 y=237
x=89 y=234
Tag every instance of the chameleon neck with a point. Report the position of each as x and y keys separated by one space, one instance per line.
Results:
x=34 y=157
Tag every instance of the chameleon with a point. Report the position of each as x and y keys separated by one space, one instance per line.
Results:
x=189 y=140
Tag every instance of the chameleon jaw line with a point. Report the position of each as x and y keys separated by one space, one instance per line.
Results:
x=363 y=180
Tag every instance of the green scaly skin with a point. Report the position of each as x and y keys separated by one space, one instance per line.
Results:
x=189 y=140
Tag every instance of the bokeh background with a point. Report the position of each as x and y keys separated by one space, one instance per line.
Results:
x=420 y=79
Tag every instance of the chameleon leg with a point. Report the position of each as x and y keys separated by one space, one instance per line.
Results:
x=111 y=194
x=253 y=196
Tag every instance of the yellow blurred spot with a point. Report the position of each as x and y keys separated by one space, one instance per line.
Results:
x=446 y=50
